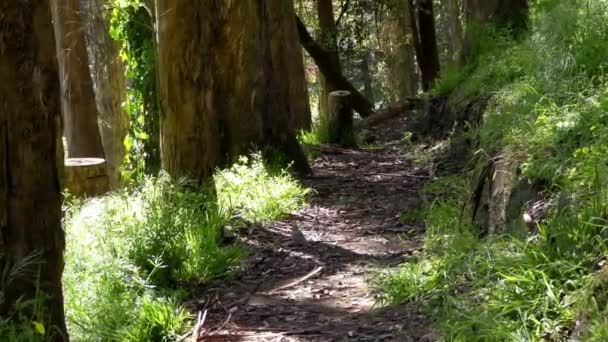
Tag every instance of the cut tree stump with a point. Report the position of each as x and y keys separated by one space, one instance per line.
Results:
x=86 y=177
x=340 y=125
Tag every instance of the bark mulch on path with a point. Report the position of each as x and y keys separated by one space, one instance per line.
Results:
x=318 y=291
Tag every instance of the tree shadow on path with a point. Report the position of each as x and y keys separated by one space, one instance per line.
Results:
x=318 y=291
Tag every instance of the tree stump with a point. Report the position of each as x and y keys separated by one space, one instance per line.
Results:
x=340 y=125
x=86 y=177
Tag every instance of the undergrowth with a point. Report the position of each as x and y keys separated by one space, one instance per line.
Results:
x=549 y=286
x=24 y=323
x=130 y=254
x=547 y=114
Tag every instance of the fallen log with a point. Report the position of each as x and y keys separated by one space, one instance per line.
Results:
x=389 y=112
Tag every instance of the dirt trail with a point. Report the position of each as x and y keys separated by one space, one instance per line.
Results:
x=352 y=229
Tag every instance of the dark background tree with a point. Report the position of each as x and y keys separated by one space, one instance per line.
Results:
x=423 y=22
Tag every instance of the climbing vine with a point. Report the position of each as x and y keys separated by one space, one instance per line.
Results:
x=132 y=24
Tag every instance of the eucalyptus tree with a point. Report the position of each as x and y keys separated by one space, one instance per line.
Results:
x=231 y=78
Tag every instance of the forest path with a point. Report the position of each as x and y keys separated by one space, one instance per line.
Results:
x=319 y=291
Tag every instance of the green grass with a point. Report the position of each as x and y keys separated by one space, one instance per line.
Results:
x=132 y=256
x=505 y=288
x=547 y=113
x=257 y=193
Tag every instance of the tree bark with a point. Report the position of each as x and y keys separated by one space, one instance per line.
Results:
x=78 y=99
x=227 y=83
x=428 y=56
x=328 y=40
x=86 y=177
x=323 y=60
x=30 y=199
x=340 y=127
x=109 y=81
x=402 y=60
x=453 y=10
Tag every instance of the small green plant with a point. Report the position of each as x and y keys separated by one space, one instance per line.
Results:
x=24 y=323
x=412 y=216
x=316 y=136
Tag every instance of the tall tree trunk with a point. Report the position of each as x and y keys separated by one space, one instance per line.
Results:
x=108 y=75
x=453 y=10
x=402 y=60
x=78 y=99
x=295 y=78
x=30 y=199
x=226 y=83
x=427 y=52
x=328 y=39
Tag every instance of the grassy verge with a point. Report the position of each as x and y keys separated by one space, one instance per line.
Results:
x=548 y=114
x=507 y=288
x=131 y=255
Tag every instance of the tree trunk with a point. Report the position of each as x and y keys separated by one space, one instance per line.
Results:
x=453 y=10
x=328 y=39
x=108 y=75
x=86 y=177
x=323 y=60
x=288 y=51
x=340 y=126
x=402 y=61
x=30 y=199
x=428 y=56
x=78 y=99
x=223 y=64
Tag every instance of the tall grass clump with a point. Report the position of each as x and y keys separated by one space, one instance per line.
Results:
x=547 y=114
x=132 y=255
x=257 y=193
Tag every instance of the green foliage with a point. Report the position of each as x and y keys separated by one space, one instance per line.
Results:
x=132 y=25
x=504 y=288
x=259 y=195
x=124 y=252
x=547 y=112
x=128 y=252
